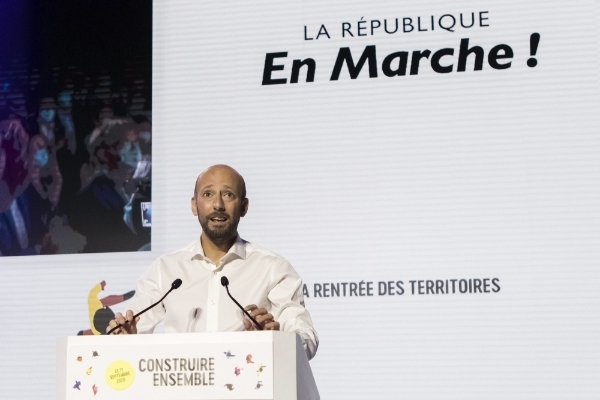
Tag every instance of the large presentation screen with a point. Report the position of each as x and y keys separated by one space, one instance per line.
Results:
x=430 y=169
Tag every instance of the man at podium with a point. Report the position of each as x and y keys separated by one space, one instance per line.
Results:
x=258 y=278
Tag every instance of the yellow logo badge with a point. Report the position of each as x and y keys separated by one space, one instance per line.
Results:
x=119 y=375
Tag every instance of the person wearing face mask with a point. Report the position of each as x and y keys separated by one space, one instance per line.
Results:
x=24 y=214
x=65 y=117
x=130 y=152
x=46 y=122
x=115 y=153
x=43 y=170
x=44 y=167
x=107 y=187
x=14 y=178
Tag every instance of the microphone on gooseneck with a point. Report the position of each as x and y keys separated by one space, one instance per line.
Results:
x=175 y=285
x=225 y=282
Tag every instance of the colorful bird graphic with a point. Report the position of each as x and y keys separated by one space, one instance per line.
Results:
x=228 y=354
x=77 y=384
x=249 y=359
x=237 y=371
x=260 y=369
x=95 y=389
x=229 y=386
x=95 y=354
x=80 y=359
x=259 y=384
x=88 y=371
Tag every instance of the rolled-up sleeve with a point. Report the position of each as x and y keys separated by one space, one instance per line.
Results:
x=287 y=304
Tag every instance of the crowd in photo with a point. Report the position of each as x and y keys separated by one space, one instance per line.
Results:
x=75 y=160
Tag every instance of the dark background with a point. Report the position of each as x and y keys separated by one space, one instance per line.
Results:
x=97 y=36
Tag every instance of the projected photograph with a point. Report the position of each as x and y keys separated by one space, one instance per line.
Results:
x=75 y=126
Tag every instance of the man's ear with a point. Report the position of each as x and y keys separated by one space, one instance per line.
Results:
x=194 y=206
x=245 y=204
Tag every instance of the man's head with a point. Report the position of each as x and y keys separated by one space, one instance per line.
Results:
x=219 y=202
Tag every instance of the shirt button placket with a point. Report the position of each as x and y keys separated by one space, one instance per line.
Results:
x=213 y=294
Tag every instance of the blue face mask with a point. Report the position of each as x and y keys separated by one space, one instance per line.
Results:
x=65 y=99
x=130 y=154
x=41 y=157
x=47 y=115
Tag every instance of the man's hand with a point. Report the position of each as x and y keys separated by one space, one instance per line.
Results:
x=261 y=316
x=128 y=324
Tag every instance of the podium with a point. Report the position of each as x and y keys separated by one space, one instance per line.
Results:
x=192 y=366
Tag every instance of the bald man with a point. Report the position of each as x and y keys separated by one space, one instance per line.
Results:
x=259 y=278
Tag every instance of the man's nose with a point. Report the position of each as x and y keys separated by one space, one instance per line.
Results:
x=218 y=203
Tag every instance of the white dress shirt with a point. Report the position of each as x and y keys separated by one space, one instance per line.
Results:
x=256 y=276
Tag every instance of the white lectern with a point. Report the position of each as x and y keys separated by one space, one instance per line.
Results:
x=224 y=365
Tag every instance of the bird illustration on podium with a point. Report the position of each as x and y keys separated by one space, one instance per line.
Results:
x=228 y=354
x=260 y=369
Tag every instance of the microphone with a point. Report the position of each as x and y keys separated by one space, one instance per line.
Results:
x=225 y=282
x=175 y=285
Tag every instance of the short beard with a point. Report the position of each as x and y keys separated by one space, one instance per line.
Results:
x=221 y=235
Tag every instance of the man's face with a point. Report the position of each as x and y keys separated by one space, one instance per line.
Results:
x=218 y=203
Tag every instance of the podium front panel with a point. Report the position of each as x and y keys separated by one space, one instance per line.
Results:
x=232 y=365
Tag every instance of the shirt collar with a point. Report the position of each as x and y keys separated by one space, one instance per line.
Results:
x=238 y=248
